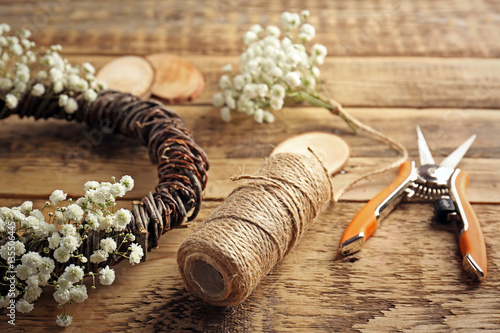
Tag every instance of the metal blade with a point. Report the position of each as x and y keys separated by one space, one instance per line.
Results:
x=423 y=149
x=454 y=158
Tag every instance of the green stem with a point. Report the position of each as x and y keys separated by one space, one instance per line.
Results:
x=305 y=97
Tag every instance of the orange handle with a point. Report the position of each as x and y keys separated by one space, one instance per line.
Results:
x=472 y=243
x=365 y=223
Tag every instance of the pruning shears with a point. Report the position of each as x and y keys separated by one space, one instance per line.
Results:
x=440 y=183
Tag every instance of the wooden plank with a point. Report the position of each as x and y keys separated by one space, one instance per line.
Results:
x=356 y=28
x=408 y=277
x=55 y=154
x=380 y=82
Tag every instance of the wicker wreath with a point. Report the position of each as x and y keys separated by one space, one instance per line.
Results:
x=182 y=164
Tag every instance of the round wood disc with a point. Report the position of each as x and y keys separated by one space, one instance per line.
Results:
x=177 y=80
x=130 y=74
x=331 y=149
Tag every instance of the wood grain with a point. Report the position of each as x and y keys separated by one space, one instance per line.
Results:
x=379 y=82
x=392 y=63
x=354 y=28
x=408 y=277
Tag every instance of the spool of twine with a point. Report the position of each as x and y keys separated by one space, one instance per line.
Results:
x=256 y=226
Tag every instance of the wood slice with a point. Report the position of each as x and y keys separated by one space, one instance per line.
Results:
x=130 y=74
x=331 y=149
x=177 y=80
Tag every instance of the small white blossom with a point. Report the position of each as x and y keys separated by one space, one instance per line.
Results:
x=64 y=320
x=47 y=265
x=68 y=230
x=292 y=79
x=122 y=218
x=79 y=293
x=26 y=207
x=71 y=106
x=218 y=100
x=62 y=255
x=73 y=273
x=69 y=243
x=23 y=306
x=74 y=213
x=23 y=272
x=249 y=37
x=63 y=283
x=227 y=68
x=57 y=196
x=88 y=68
x=38 y=89
x=225 y=82
x=32 y=260
x=62 y=296
x=54 y=240
x=63 y=100
x=107 y=276
x=225 y=114
x=136 y=253
x=11 y=101
x=58 y=87
x=258 y=116
x=90 y=95
x=108 y=245
x=128 y=182
x=98 y=256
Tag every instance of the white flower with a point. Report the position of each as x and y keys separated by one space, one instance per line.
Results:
x=273 y=31
x=107 y=276
x=6 y=83
x=57 y=88
x=54 y=241
x=62 y=255
x=23 y=306
x=62 y=296
x=38 y=89
x=68 y=230
x=249 y=37
x=11 y=101
x=74 y=213
x=118 y=190
x=32 y=260
x=90 y=95
x=73 y=273
x=57 y=196
x=258 y=116
x=23 y=272
x=54 y=73
x=26 y=207
x=32 y=281
x=46 y=266
x=108 y=245
x=92 y=221
x=318 y=53
x=98 y=256
x=4 y=301
x=289 y=21
x=307 y=32
x=31 y=222
x=278 y=91
x=230 y=102
x=276 y=103
x=32 y=293
x=128 y=182
x=225 y=114
x=91 y=185
x=292 y=79
x=69 y=243
x=88 y=68
x=63 y=283
x=225 y=82
x=304 y=14
x=63 y=100
x=218 y=100
x=239 y=83
x=71 y=106
x=79 y=293
x=42 y=75
x=122 y=217
x=136 y=253
x=6 y=249
x=64 y=320
x=268 y=117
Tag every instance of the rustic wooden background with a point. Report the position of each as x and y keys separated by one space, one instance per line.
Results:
x=392 y=63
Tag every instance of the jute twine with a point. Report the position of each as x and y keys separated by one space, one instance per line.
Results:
x=257 y=225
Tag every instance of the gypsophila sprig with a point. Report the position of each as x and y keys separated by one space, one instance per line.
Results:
x=278 y=67
x=36 y=252
x=24 y=69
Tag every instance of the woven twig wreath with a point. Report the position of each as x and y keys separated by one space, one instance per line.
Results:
x=182 y=164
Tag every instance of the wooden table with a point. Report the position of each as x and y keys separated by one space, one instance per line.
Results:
x=392 y=64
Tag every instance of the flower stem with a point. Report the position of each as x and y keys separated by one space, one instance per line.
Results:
x=316 y=101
